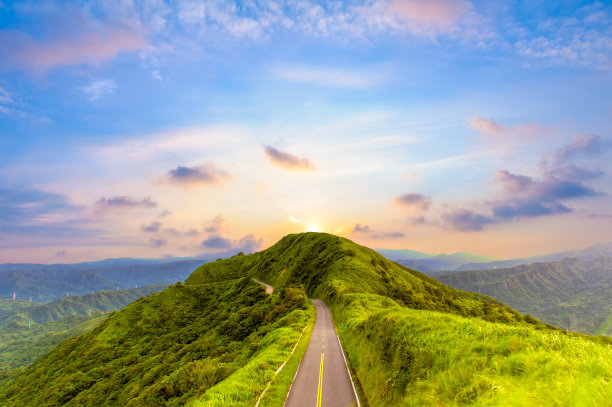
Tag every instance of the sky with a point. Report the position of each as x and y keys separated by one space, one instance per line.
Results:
x=159 y=129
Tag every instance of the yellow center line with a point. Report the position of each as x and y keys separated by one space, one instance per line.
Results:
x=320 y=391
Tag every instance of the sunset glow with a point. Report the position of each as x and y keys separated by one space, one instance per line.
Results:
x=180 y=128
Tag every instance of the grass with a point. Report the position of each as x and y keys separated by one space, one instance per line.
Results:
x=606 y=327
x=424 y=358
x=244 y=386
x=277 y=393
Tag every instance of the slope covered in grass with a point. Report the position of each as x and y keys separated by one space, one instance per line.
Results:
x=170 y=347
x=412 y=340
x=574 y=294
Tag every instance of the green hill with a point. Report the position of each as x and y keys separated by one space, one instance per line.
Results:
x=77 y=305
x=29 y=330
x=21 y=345
x=410 y=340
x=574 y=293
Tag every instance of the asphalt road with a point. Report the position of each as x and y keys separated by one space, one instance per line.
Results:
x=322 y=380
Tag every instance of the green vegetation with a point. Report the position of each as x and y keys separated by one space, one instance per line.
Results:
x=29 y=330
x=410 y=340
x=277 y=393
x=8 y=306
x=218 y=342
x=20 y=345
x=113 y=300
x=573 y=294
x=413 y=357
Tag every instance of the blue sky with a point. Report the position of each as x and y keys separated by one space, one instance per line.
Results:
x=159 y=128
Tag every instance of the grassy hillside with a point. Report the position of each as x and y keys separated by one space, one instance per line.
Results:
x=410 y=340
x=77 y=305
x=574 y=294
x=165 y=349
x=414 y=341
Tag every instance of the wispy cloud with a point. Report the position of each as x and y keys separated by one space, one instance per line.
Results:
x=430 y=16
x=151 y=228
x=124 y=202
x=413 y=201
x=327 y=77
x=225 y=247
x=201 y=174
x=217 y=242
x=35 y=213
x=492 y=131
x=287 y=160
x=91 y=47
x=214 y=226
x=99 y=89
x=388 y=235
x=157 y=242
x=358 y=228
x=582 y=39
x=5 y=97
x=583 y=145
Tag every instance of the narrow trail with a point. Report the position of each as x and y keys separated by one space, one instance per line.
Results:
x=269 y=288
x=322 y=379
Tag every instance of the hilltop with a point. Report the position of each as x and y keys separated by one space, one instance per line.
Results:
x=410 y=340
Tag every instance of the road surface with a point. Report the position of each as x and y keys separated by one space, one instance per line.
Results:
x=269 y=288
x=322 y=379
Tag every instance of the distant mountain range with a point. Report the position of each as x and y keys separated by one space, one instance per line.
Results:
x=20 y=312
x=433 y=264
x=572 y=293
x=28 y=329
x=44 y=283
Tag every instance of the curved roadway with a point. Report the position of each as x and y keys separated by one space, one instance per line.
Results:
x=322 y=379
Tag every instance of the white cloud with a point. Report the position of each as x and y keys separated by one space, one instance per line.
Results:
x=5 y=97
x=329 y=77
x=99 y=89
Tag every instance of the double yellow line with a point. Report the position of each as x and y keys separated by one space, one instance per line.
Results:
x=320 y=391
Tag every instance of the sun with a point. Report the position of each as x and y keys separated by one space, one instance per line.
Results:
x=313 y=228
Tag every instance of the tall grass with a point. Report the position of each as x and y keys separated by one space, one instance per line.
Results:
x=425 y=358
x=243 y=387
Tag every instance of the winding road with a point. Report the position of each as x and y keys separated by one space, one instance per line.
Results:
x=322 y=379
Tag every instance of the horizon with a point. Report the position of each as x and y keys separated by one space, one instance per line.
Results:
x=228 y=254
x=181 y=129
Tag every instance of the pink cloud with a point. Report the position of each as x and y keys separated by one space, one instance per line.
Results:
x=20 y=50
x=427 y=15
x=492 y=131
